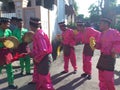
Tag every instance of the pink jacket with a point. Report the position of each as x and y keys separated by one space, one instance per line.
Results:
x=109 y=42
x=68 y=37
x=84 y=36
x=41 y=45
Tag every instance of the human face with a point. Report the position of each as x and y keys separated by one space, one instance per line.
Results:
x=32 y=28
x=62 y=27
x=5 y=25
x=80 y=27
x=103 y=26
x=20 y=24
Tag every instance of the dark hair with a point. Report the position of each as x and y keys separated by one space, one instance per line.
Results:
x=19 y=20
x=87 y=24
x=82 y=24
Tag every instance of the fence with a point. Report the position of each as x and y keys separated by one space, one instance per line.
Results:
x=8 y=15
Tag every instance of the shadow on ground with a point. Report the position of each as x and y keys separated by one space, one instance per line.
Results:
x=117 y=80
x=69 y=86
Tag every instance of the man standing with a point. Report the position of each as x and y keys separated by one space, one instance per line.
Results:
x=84 y=35
x=19 y=33
x=42 y=55
x=109 y=44
x=5 y=53
x=68 y=43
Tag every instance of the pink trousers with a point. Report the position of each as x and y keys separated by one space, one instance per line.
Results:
x=106 y=80
x=43 y=82
x=72 y=58
x=87 y=64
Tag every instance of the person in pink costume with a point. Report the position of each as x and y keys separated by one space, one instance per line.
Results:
x=68 y=43
x=41 y=54
x=109 y=45
x=84 y=35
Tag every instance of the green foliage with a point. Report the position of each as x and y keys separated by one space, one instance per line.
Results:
x=113 y=3
x=75 y=6
x=94 y=10
x=117 y=26
x=71 y=25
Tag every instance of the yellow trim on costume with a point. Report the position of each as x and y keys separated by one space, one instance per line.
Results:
x=58 y=50
x=92 y=43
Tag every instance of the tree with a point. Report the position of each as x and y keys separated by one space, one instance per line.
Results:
x=94 y=11
x=107 y=8
x=104 y=8
x=75 y=7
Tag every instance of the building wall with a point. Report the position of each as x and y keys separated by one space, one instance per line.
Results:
x=57 y=15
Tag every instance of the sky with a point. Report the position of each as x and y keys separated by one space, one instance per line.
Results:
x=83 y=6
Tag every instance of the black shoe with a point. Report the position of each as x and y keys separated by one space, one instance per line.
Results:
x=21 y=73
x=63 y=72
x=12 y=87
x=28 y=73
x=31 y=83
x=83 y=75
x=89 y=77
x=75 y=71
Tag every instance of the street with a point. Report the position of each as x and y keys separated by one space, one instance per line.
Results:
x=67 y=81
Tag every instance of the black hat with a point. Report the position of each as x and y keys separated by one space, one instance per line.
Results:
x=61 y=23
x=35 y=20
x=80 y=23
x=14 y=18
x=19 y=19
x=4 y=20
x=105 y=19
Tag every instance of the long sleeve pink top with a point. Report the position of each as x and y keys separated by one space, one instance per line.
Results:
x=41 y=45
x=84 y=36
x=109 y=42
x=68 y=37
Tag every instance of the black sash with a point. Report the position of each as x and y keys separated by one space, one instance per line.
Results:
x=67 y=50
x=44 y=66
x=106 y=62
x=87 y=50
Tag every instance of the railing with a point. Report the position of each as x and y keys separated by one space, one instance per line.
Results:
x=8 y=15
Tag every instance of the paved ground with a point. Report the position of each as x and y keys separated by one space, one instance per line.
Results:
x=67 y=81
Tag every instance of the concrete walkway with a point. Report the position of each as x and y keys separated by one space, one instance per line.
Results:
x=67 y=81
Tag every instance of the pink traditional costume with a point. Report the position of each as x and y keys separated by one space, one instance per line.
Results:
x=41 y=53
x=109 y=44
x=68 y=43
x=84 y=37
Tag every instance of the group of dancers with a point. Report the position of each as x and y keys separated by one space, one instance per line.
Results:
x=106 y=39
x=40 y=49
